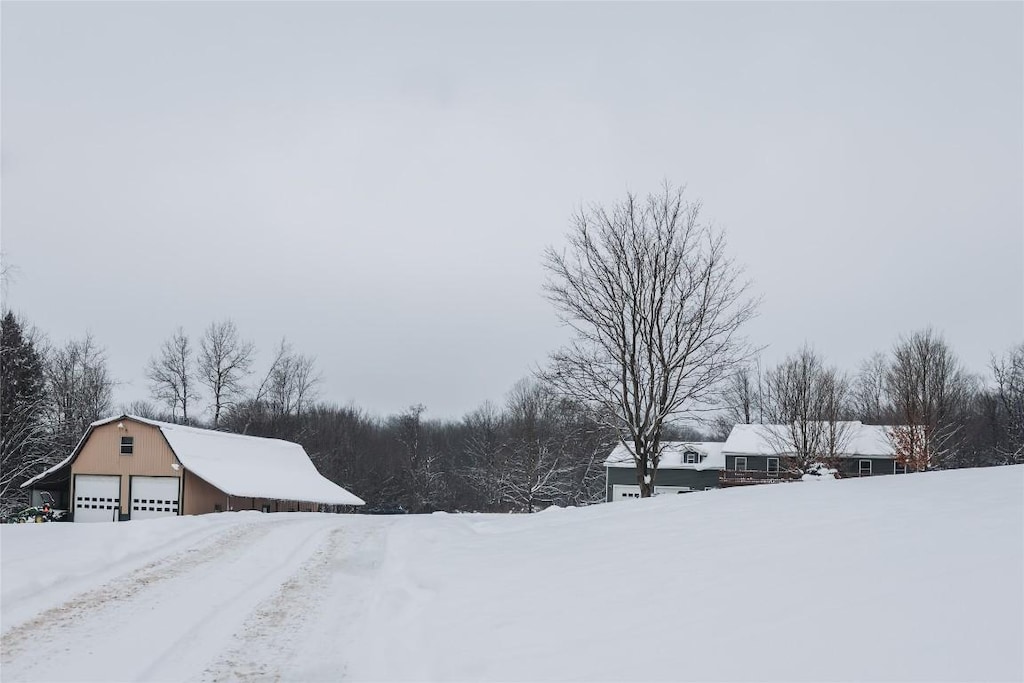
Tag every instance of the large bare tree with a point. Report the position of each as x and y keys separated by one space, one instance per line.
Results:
x=657 y=307
x=172 y=374
x=225 y=359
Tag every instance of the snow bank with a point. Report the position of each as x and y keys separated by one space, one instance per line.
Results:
x=901 y=578
x=916 y=577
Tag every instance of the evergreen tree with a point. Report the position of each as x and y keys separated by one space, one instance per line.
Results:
x=23 y=434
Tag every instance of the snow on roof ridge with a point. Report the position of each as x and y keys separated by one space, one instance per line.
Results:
x=671 y=455
x=858 y=439
x=175 y=425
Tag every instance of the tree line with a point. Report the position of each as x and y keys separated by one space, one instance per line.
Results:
x=534 y=450
x=658 y=309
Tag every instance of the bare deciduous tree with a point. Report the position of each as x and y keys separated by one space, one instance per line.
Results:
x=1009 y=375
x=740 y=401
x=805 y=402
x=868 y=398
x=423 y=469
x=536 y=471
x=224 y=361
x=928 y=390
x=80 y=389
x=171 y=375
x=290 y=385
x=143 y=409
x=657 y=307
x=483 y=447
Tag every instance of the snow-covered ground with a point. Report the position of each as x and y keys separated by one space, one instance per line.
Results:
x=916 y=577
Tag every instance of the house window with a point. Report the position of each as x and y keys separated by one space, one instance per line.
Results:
x=127 y=445
x=773 y=465
x=740 y=465
x=690 y=458
x=899 y=467
x=865 y=468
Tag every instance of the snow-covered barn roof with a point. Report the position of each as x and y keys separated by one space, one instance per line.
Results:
x=672 y=456
x=239 y=465
x=857 y=439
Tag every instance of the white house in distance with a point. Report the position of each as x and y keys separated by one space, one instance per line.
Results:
x=684 y=466
x=752 y=454
x=129 y=467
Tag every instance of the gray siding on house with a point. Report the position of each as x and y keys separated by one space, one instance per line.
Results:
x=848 y=467
x=695 y=479
x=755 y=463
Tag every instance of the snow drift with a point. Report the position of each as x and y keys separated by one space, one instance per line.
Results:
x=899 y=578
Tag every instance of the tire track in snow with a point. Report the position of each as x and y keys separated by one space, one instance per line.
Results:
x=223 y=617
x=86 y=605
x=298 y=626
x=169 y=619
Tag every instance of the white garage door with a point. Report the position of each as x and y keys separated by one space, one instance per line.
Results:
x=97 y=498
x=670 y=490
x=625 y=491
x=154 y=497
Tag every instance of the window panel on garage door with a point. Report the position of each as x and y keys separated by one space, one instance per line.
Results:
x=97 y=498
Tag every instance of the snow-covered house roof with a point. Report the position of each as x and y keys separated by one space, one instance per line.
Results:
x=239 y=465
x=857 y=440
x=672 y=456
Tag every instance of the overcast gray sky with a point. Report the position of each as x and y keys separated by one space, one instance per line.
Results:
x=377 y=182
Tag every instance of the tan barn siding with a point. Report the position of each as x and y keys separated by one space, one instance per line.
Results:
x=153 y=457
x=201 y=497
x=101 y=454
x=246 y=503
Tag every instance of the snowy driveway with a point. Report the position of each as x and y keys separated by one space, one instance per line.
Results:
x=243 y=597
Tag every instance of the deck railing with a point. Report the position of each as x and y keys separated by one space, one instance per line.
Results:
x=746 y=477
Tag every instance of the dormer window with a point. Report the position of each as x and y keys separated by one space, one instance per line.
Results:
x=690 y=458
x=127 y=445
